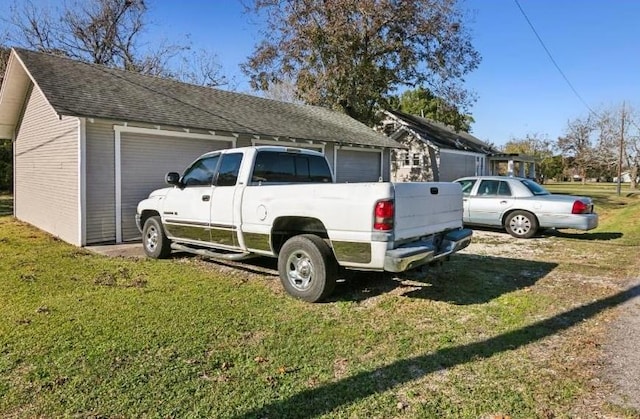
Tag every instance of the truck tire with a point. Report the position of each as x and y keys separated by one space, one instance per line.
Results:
x=154 y=241
x=521 y=224
x=307 y=267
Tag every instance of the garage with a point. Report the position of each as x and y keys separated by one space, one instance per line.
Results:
x=107 y=138
x=145 y=160
x=358 y=165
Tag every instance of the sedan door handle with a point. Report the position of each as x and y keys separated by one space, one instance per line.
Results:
x=206 y=198
x=503 y=202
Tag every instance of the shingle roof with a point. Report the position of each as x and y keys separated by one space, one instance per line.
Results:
x=440 y=134
x=79 y=89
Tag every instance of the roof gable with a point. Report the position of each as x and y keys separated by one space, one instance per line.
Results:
x=76 y=88
x=439 y=134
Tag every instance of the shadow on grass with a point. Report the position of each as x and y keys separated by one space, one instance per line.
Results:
x=571 y=234
x=325 y=399
x=6 y=205
x=602 y=236
x=465 y=279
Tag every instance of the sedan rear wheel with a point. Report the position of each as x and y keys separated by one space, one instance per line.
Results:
x=521 y=224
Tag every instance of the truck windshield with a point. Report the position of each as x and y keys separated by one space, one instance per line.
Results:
x=283 y=167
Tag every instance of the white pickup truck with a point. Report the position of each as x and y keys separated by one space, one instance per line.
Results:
x=283 y=202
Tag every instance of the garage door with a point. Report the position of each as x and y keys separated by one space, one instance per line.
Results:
x=145 y=160
x=358 y=166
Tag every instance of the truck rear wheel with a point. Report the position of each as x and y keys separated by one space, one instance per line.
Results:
x=307 y=268
x=154 y=241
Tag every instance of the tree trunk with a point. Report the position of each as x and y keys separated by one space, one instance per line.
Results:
x=634 y=175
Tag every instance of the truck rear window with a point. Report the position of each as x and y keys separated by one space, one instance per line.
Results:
x=283 y=167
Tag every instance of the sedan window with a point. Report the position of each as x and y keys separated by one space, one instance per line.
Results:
x=467 y=185
x=504 y=189
x=535 y=188
x=488 y=188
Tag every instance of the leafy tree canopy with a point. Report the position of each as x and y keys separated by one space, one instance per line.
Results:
x=107 y=32
x=350 y=55
x=422 y=102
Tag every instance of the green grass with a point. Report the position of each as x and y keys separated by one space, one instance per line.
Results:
x=86 y=335
x=6 y=205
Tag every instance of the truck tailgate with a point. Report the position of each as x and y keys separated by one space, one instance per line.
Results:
x=424 y=208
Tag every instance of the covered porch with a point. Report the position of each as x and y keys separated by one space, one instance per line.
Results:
x=512 y=164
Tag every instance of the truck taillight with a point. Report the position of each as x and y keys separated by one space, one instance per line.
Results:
x=579 y=207
x=383 y=215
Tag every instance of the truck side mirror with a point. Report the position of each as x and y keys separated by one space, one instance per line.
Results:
x=173 y=178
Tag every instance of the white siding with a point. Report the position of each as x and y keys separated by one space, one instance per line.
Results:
x=455 y=165
x=358 y=166
x=146 y=160
x=100 y=182
x=46 y=170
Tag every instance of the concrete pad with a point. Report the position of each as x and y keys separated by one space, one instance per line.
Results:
x=131 y=249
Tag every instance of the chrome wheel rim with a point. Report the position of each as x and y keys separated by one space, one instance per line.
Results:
x=300 y=270
x=151 y=238
x=520 y=225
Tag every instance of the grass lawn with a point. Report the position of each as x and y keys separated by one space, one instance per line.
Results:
x=517 y=333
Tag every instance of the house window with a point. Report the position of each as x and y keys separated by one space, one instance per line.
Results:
x=407 y=161
x=416 y=159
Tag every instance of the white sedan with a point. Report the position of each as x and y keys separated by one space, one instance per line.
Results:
x=521 y=206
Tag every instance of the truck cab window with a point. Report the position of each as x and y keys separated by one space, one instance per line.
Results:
x=278 y=167
x=201 y=172
x=229 y=168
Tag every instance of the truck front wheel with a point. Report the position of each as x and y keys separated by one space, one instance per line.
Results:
x=154 y=241
x=307 y=268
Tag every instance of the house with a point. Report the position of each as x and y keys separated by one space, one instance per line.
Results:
x=435 y=151
x=91 y=141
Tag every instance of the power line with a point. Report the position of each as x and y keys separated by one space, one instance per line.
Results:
x=564 y=76
x=566 y=79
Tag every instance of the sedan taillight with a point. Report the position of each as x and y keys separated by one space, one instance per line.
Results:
x=383 y=215
x=579 y=207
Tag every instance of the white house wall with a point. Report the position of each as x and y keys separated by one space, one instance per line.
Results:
x=454 y=165
x=46 y=170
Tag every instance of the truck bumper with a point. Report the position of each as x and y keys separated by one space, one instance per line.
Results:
x=414 y=254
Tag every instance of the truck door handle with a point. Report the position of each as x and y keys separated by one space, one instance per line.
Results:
x=206 y=198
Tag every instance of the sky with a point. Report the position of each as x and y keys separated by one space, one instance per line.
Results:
x=519 y=91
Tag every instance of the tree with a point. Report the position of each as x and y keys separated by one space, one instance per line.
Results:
x=107 y=32
x=6 y=153
x=535 y=145
x=577 y=143
x=422 y=102
x=619 y=137
x=350 y=55
x=6 y=165
x=608 y=142
x=632 y=152
x=4 y=58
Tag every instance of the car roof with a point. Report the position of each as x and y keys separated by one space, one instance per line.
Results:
x=492 y=177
